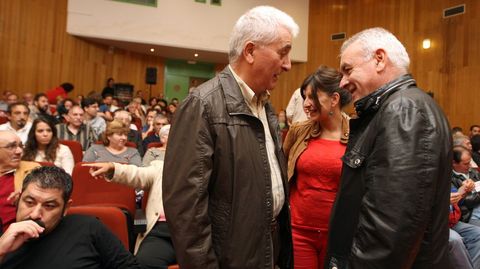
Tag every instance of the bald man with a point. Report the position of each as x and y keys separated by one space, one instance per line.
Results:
x=12 y=173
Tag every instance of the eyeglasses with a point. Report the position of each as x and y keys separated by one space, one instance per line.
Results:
x=13 y=146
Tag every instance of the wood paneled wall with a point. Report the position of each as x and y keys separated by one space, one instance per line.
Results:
x=450 y=68
x=37 y=54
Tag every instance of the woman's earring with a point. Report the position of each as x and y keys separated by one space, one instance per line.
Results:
x=330 y=113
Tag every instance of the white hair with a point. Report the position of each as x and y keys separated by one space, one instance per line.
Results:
x=259 y=24
x=116 y=114
x=165 y=130
x=376 y=38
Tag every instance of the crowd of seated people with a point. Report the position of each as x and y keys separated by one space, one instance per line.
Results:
x=464 y=218
x=32 y=132
x=33 y=129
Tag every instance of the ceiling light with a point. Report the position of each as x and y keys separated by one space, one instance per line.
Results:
x=152 y=49
x=426 y=43
x=196 y=54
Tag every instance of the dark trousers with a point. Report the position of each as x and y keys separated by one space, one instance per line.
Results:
x=156 y=249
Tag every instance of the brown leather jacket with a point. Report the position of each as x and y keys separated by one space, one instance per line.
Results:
x=297 y=138
x=217 y=185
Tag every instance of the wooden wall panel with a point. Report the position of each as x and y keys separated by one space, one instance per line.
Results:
x=450 y=68
x=37 y=54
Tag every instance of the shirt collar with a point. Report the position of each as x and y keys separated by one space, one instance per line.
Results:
x=9 y=125
x=460 y=174
x=7 y=172
x=248 y=93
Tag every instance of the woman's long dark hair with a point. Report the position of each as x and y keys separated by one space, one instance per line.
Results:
x=31 y=148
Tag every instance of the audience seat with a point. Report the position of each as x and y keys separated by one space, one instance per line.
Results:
x=131 y=144
x=154 y=144
x=90 y=191
x=138 y=122
x=113 y=217
x=76 y=149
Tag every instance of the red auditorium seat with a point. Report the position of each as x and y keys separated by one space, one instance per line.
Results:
x=113 y=217
x=154 y=144
x=91 y=191
x=75 y=148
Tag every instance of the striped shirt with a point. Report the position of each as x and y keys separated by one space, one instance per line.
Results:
x=85 y=135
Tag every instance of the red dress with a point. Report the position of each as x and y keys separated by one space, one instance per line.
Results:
x=312 y=194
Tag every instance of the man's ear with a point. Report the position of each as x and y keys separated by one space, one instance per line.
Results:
x=248 y=52
x=67 y=207
x=380 y=59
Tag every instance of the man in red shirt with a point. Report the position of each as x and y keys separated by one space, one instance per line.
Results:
x=12 y=172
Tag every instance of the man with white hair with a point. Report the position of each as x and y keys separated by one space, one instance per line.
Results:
x=159 y=121
x=225 y=189
x=391 y=208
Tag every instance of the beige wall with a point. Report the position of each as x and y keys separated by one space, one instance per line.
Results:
x=177 y=23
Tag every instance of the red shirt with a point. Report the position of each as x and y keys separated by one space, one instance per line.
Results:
x=313 y=192
x=53 y=93
x=7 y=209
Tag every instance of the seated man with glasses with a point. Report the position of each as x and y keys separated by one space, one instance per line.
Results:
x=159 y=121
x=12 y=173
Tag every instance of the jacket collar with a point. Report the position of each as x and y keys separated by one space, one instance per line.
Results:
x=234 y=99
x=372 y=102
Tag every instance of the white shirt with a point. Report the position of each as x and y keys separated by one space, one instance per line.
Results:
x=257 y=106
x=294 y=109
x=22 y=133
x=63 y=160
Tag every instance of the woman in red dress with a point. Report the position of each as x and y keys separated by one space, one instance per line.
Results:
x=314 y=149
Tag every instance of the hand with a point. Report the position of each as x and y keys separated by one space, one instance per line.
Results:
x=455 y=197
x=17 y=233
x=469 y=185
x=13 y=197
x=100 y=170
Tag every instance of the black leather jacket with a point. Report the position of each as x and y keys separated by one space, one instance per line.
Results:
x=472 y=199
x=391 y=210
x=216 y=184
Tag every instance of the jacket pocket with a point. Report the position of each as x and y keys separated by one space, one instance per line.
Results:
x=220 y=218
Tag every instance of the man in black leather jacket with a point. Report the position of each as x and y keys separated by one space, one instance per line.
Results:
x=391 y=210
